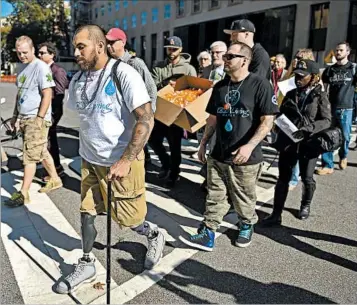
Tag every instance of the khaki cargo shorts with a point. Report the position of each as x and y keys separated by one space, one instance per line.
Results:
x=128 y=195
x=35 y=140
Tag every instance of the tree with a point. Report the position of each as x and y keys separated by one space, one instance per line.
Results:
x=41 y=20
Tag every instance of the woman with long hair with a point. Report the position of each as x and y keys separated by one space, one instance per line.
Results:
x=309 y=109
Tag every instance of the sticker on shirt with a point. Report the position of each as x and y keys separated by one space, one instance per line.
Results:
x=228 y=127
x=22 y=79
x=110 y=88
x=49 y=77
x=231 y=106
x=274 y=100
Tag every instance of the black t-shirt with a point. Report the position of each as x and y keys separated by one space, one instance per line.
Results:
x=342 y=83
x=260 y=63
x=249 y=100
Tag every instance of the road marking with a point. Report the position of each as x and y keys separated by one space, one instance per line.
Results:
x=41 y=244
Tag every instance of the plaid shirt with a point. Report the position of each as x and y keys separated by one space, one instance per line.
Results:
x=140 y=66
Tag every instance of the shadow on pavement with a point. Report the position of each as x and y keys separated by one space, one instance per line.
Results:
x=287 y=236
x=68 y=147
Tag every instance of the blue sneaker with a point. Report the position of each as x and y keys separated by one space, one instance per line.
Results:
x=245 y=235
x=204 y=240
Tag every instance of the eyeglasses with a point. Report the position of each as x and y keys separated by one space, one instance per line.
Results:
x=42 y=53
x=229 y=56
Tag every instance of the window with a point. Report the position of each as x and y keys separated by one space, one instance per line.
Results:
x=109 y=7
x=109 y=25
x=96 y=12
x=143 y=47
x=320 y=14
x=125 y=3
x=133 y=21
x=155 y=15
x=180 y=8
x=117 y=5
x=153 y=47
x=214 y=3
x=196 y=6
x=167 y=11
x=117 y=23
x=144 y=18
x=230 y=2
x=125 y=24
x=102 y=10
x=134 y=2
x=133 y=43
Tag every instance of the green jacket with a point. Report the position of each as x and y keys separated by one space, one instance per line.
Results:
x=164 y=71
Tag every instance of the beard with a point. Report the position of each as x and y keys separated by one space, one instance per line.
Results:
x=340 y=57
x=172 y=57
x=88 y=64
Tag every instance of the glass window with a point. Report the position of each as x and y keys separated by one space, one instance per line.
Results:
x=125 y=3
x=143 y=18
x=153 y=47
x=180 y=8
x=109 y=25
x=102 y=10
x=134 y=2
x=196 y=6
x=133 y=43
x=214 y=4
x=167 y=11
x=109 y=7
x=117 y=23
x=96 y=12
x=117 y=5
x=125 y=24
x=133 y=21
x=155 y=14
x=320 y=14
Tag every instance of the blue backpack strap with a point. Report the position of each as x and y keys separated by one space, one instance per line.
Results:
x=115 y=76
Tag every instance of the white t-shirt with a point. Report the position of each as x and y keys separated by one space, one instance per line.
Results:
x=31 y=80
x=106 y=124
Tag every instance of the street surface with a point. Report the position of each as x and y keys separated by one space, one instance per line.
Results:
x=312 y=261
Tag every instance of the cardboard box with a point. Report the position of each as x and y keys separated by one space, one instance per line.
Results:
x=193 y=116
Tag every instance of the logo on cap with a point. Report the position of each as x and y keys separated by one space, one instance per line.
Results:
x=172 y=42
x=302 y=65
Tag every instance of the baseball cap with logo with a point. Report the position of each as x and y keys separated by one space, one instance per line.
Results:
x=173 y=42
x=241 y=25
x=305 y=67
x=116 y=34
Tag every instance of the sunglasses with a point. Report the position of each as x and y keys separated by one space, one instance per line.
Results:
x=42 y=53
x=228 y=56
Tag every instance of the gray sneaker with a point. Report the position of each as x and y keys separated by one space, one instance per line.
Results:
x=155 y=248
x=84 y=273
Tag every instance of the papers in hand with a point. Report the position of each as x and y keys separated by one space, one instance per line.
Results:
x=287 y=127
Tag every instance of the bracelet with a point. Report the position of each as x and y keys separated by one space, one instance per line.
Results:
x=40 y=117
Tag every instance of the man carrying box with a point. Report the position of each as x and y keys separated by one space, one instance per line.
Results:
x=166 y=72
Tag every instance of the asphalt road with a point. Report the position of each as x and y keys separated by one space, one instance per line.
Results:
x=311 y=261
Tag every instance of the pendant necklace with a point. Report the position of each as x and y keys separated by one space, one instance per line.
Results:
x=84 y=97
x=228 y=126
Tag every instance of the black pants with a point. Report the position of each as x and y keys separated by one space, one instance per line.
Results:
x=287 y=161
x=57 y=112
x=173 y=134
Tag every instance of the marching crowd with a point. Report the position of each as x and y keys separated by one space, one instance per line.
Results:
x=114 y=94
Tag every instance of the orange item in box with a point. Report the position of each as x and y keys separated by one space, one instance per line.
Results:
x=183 y=97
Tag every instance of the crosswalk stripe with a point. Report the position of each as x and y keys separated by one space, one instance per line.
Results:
x=38 y=235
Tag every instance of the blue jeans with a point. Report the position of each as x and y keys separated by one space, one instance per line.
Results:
x=343 y=119
x=295 y=175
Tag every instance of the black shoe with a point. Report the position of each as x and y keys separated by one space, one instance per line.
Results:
x=171 y=181
x=304 y=212
x=163 y=174
x=271 y=221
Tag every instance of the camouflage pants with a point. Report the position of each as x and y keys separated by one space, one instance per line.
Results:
x=240 y=184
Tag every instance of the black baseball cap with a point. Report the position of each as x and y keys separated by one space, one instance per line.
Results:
x=305 y=67
x=173 y=42
x=241 y=25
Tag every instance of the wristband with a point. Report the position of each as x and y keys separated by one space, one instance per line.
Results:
x=40 y=117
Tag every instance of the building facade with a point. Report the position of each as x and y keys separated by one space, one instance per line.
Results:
x=282 y=26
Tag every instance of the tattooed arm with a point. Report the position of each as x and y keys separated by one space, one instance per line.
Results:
x=242 y=154
x=210 y=129
x=266 y=124
x=141 y=133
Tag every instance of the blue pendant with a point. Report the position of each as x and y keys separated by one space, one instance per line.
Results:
x=228 y=127
x=110 y=88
